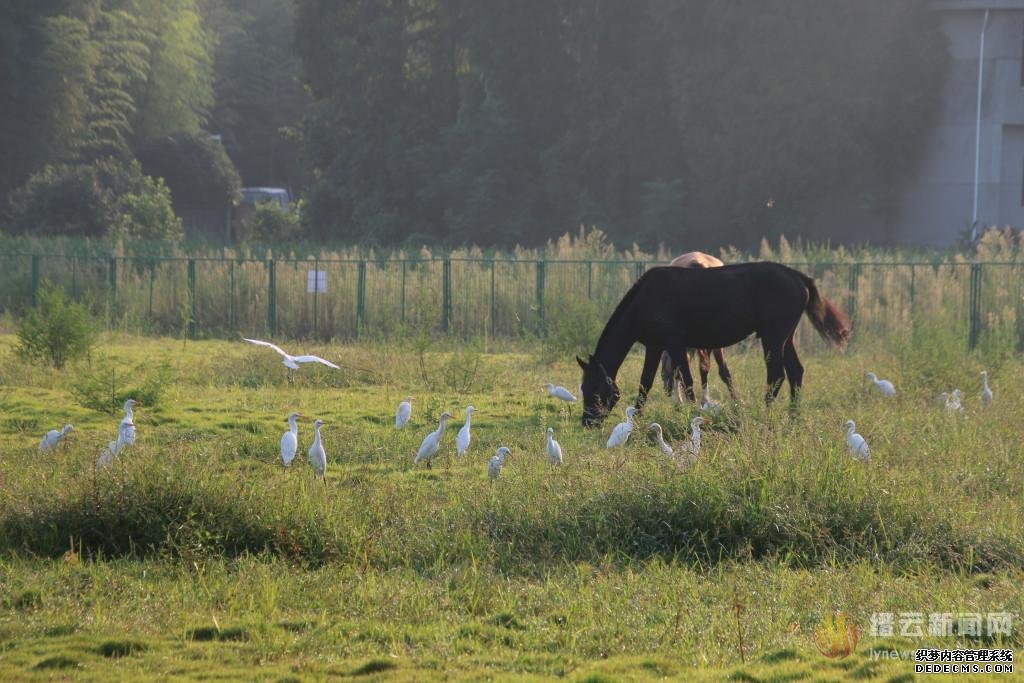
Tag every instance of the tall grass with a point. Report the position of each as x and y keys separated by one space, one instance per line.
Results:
x=521 y=293
x=198 y=553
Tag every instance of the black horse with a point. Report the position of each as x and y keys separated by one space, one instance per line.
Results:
x=678 y=308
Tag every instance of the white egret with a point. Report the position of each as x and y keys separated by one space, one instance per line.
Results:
x=986 y=393
x=708 y=404
x=855 y=443
x=622 y=430
x=317 y=455
x=129 y=421
x=884 y=385
x=560 y=393
x=403 y=413
x=114 y=448
x=665 y=448
x=463 y=438
x=53 y=438
x=497 y=460
x=292 y=362
x=290 y=440
x=693 y=447
x=554 y=449
x=428 y=449
x=954 y=402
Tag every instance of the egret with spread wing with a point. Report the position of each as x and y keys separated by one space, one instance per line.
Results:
x=292 y=362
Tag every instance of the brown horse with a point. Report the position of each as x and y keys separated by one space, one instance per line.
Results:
x=683 y=308
x=696 y=259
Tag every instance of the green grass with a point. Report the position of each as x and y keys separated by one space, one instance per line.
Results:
x=198 y=556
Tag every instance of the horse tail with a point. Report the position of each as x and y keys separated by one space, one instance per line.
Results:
x=830 y=322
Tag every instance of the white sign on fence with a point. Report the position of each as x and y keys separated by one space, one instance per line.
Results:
x=316 y=281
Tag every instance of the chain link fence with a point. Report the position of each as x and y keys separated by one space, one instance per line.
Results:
x=209 y=297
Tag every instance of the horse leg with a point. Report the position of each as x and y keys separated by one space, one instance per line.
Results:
x=682 y=362
x=723 y=372
x=651 y=358
x=773 y=361
x=794 y=370
x=704 y=355
x=667 y=372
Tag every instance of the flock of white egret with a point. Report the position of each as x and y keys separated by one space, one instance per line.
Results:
x=430 y=446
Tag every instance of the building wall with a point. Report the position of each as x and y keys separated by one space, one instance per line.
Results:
x=938 y=203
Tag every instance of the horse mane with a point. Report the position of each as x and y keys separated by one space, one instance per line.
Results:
x=620 y=310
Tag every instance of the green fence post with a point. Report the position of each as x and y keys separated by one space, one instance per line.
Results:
x=112 y=297
x=361 y=298
x=446 y=294
x=639 y=269
x=402 y=295
x=913 y=270
x=35 y=279
x=231 y=299
x=191 y=298
x=851 y=298
x=152 y=279
x=494 y=304
x=272 y=297
x=74 y=278
x=541 y=273
x=974 y=326
x=316 y=296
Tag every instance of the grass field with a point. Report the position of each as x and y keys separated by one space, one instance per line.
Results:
x=198 y=556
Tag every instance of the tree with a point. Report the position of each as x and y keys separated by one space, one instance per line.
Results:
x=789 y=106
x=195 y=168
x=178 y=91
x=260 y=100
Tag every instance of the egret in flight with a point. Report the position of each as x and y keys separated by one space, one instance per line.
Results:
x=289 y=361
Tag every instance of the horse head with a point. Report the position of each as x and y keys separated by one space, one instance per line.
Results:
x=600 y=392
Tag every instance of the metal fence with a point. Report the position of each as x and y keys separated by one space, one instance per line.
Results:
x=467 y=297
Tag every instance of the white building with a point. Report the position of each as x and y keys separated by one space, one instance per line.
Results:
x=972 y=170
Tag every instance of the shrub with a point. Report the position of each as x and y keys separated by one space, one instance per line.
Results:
x=149 y=214
x=104 y=387
x=270 y=224
x=57 y=329
x=196 y=168
x=107 y=196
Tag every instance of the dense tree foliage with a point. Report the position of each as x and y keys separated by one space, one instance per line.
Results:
x=655 y=119
x=260 y=100
x=84 y=79
x=684 y=121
